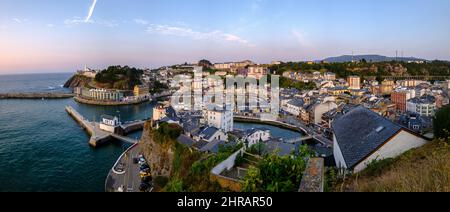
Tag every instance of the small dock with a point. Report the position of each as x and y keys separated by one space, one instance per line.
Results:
x=99 y=136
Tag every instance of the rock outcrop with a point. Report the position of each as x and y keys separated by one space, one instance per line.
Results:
x=169 y=159
x=159 y=155
x=77 y=81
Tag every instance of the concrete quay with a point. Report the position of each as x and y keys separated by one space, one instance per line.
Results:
x=99 y=136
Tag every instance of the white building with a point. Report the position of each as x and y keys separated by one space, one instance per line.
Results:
x=109 y=123
x=276 y=62
x=210 y=134
x=223 y=66
x=424 y=106
x=354 y=82
x=159 y=112
x=319 y=109
x=87 y=72
x=102 y=94
x=221 y=119
x=256 y=135
x=294 y=106
x=330 y=76
x=410 y=83
x=362 y=136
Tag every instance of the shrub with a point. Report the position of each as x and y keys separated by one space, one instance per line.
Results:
x=441 y=123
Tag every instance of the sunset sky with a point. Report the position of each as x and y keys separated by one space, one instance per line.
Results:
x=62 y=36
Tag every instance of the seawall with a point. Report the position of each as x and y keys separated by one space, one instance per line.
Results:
x=36 y=95
x=107 y=103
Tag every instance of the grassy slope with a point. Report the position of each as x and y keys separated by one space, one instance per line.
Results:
x=426 y=169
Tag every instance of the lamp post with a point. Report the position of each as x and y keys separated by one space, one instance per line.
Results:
x=118 y=112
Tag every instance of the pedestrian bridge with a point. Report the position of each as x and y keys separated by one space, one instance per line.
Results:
x=299 y=139
x=99 y=136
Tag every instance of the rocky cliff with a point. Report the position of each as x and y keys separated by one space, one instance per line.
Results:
x=167 y=158
x=77 y=81
x=159 y=155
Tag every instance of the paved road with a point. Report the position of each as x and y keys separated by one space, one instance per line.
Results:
x=129 y=179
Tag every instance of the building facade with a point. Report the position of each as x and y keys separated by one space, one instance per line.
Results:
x=102 y=94
x=376 y=139
x=294 y=106
x=330 y=76
x=319 y=109
x=257 y=72
x=254 y=136
x=354 y=82
x=159 y=112
x=400 y=98
x=141 y=90
x=424 y=106
x=221 y=119
x=109 y=123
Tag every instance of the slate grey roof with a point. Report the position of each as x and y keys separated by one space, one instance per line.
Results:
x=239 y=134
x=200 y=144
x=212 y=146
x=208 y=132
x=168 y=119
x=192 y=126
x=185 y=140
x=281 y=148
x=170 y=111
x=360 y=132
x=426 y=99
x=109 y=117
x=250 y=132
x=297 y=102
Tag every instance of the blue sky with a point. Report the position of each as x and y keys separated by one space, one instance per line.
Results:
x=62 y=36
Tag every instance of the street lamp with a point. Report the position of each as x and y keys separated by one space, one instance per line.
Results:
x=119 y=115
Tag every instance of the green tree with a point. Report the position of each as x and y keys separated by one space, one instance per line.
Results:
x=441 y=123
x=205 y=63
x=277 y=173
x=174 y=185
x=289 y=83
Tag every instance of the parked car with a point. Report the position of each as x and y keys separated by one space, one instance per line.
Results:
x=145 y=174
x=144 y=166
x=147 y=179
x=147 y=170
x=142 y=161
x=120 y=168
x=144 y=187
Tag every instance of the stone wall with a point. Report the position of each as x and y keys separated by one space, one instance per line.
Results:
x=313 y=178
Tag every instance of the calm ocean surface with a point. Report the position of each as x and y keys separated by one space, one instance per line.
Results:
x=43 y=149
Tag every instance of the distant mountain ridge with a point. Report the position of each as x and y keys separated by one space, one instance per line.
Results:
x=369 y=58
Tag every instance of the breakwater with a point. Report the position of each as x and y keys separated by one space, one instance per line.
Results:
x=36 y=95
